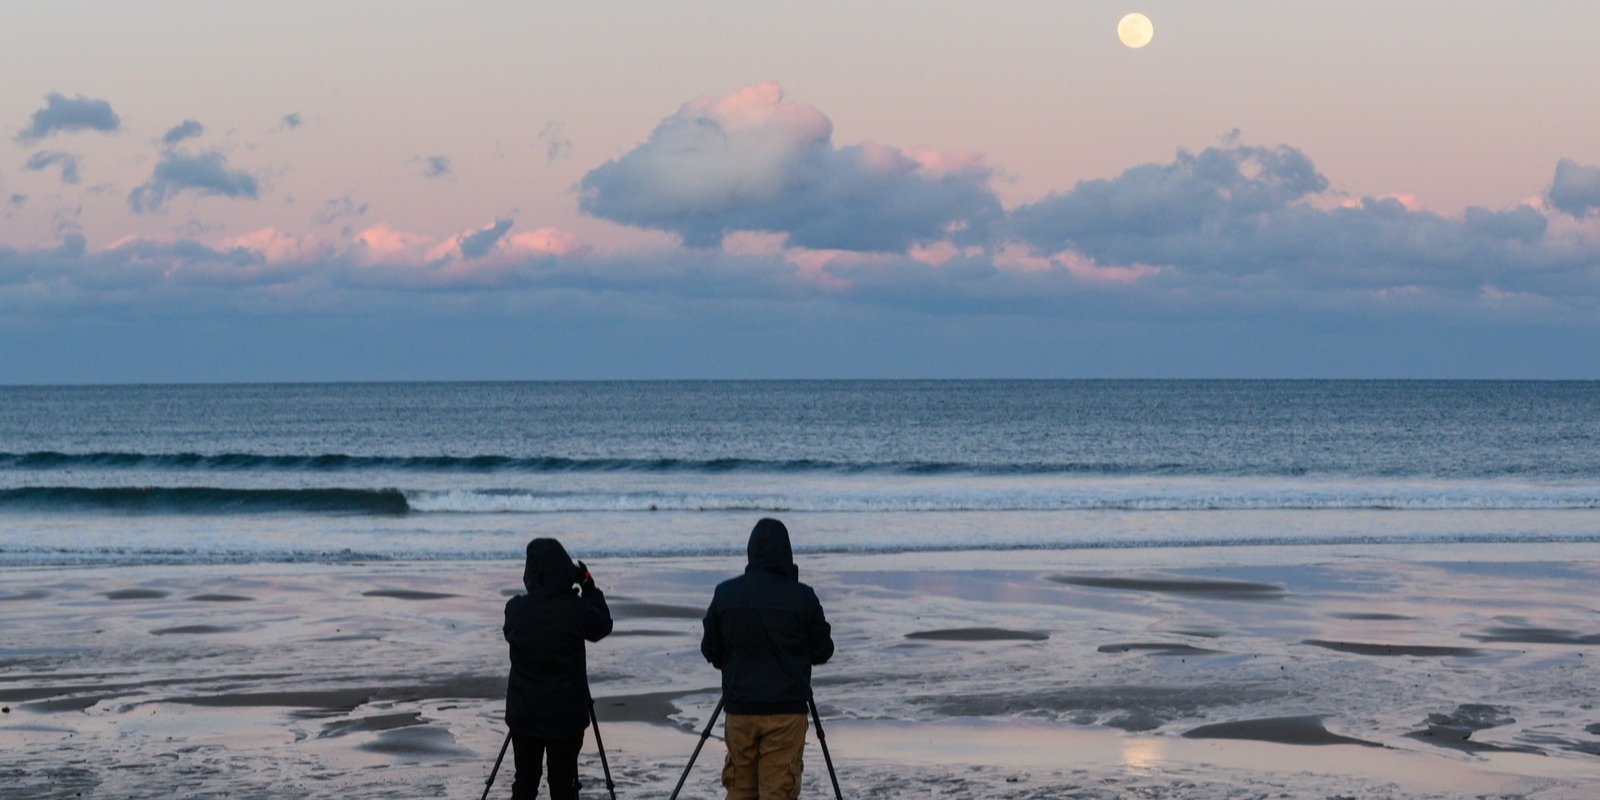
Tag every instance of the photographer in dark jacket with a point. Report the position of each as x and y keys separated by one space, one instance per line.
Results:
x=547 y=696
x=764 y=630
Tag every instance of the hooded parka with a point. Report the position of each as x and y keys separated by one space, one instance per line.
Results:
x=547 y=695
x=765 y=630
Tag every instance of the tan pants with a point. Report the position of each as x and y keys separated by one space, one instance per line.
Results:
x=763 y=756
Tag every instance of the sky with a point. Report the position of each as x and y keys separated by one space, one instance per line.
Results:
x=404 y=190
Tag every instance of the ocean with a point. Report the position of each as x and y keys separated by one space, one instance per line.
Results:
x=456 y=471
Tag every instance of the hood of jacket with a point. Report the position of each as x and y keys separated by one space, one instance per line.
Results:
x=769 y=549
x=549 y=570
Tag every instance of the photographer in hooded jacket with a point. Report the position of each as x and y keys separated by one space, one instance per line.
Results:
x=547 y=696
x=765 y=630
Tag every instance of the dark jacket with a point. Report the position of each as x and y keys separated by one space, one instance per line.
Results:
x=547 y=696
x=765 y=630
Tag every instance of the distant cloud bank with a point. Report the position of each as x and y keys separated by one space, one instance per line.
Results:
x=770 y=210
x=1237 y=214
x=1235 y=219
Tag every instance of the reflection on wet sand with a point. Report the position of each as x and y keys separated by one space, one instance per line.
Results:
x=1201 y=588
x=1305 y=729
x=978 y=635
x=1413 y=650
x=375 y=681
x=135 y=594
x=407 y=594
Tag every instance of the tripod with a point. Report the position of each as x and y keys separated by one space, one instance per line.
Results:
x=611 y=786
x=822 y=740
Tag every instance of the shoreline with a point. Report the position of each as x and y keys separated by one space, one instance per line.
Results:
x=1017 y=674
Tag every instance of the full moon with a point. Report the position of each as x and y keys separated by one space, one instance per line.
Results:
x=1135 y=30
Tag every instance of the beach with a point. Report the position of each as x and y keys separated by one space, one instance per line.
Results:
x=1057 y=589
x=1323 y=672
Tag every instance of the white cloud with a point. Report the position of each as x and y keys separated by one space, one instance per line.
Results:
x=751 y=161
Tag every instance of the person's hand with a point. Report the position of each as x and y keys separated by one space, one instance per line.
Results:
x=585 y=580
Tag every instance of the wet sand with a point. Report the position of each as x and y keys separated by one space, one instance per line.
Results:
x=1040 y=675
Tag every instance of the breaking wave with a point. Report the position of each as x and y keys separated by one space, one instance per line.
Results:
x=340 y=462
x=393 y=501
x=203 y=500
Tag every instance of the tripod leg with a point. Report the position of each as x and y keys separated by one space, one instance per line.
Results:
x=595 y=723
x=704 y=735
x=496 y=770
x=822 y=739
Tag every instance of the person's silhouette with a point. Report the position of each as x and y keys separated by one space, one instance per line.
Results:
x=547 y=696
x=764 y=631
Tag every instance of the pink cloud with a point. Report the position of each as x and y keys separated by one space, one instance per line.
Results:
x=283 y=259
x=444 y=250
x=1084 y=269
x=881 y=158
x=757 y=137
x=383 y=243
x=1019 y=258
x=810 y=262
x=1081 y=267
x=939 y=253
x=762 y=106
x=134 y=241
x=419 y=259
x=544 y=241
x=813 y=265
x=936 y=164
x=929 y=164
x=278 y=247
